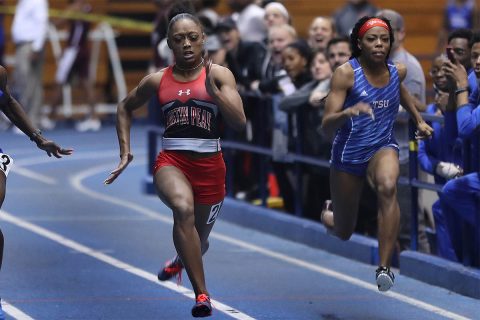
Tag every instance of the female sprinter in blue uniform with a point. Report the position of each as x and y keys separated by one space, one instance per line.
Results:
x=15 y=113
x=189 y=171
x=361 y=110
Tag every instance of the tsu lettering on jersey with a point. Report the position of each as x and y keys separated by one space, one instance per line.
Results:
x=380 y=104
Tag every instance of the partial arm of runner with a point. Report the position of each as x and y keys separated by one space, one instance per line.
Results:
x=221 y=86
x=137 y=98
x=408 y=102
x=14 y=111
x=335 y=116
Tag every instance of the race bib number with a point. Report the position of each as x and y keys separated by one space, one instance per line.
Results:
x=214 y=212
x=5 y=163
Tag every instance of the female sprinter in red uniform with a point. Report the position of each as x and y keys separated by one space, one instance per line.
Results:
x=361 y=109
x=189 y=172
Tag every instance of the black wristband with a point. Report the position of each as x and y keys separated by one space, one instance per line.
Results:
x=37 y=133
x=460 y=90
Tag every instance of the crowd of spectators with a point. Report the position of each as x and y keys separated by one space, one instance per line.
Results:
x=284 y=80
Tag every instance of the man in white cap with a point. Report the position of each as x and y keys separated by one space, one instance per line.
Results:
x=249 y=19
x=276 y=14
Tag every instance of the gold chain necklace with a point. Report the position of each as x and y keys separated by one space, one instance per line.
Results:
x=189 y=69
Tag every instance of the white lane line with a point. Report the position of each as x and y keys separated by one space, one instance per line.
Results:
x=77 y=179
x=76 y=182
x=30 y=151
x=13 y=312
x=33 y=175
x=97 y=254
x=19 y=165
x=340 y=276
x=113 y=154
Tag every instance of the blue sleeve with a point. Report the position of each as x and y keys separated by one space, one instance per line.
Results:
x=427 y=162
x=468 y=120
x=450 y=128
x=474 y=94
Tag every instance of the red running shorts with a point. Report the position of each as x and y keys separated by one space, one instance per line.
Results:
x=206 y=175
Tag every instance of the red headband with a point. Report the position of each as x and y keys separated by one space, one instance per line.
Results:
x=371 y=23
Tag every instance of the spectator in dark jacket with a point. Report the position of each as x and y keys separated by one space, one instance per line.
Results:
x=306 y=104
x=243 y=58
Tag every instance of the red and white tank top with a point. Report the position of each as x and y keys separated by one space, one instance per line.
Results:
x=189 y=113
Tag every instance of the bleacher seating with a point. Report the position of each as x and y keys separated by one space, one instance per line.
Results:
x=423 y=20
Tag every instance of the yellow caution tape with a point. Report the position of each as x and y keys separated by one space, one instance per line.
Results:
x=272 y=202
x=413 y=145
x=113 y=21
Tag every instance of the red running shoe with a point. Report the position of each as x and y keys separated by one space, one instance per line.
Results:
x=202 y=307
x=173 y=268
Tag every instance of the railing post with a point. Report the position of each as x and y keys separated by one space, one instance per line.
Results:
x=298 y=139
x=230 y=163
x=152 y=149
x=476 y=232
x=259 y=129
x=413 y=175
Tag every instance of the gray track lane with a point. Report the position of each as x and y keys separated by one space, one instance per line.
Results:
x=50 y=281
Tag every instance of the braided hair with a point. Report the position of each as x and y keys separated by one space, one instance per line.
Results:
x=181 y=16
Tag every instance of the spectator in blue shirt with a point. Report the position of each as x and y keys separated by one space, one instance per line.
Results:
x=441 y=156
x=460 y=197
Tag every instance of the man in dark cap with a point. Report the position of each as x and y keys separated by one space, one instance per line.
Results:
x=243 y=58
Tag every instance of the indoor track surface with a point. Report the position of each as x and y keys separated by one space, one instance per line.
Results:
x=78 y=249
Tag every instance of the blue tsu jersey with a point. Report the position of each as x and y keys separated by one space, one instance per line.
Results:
x=474 y=94
x=361 y=137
